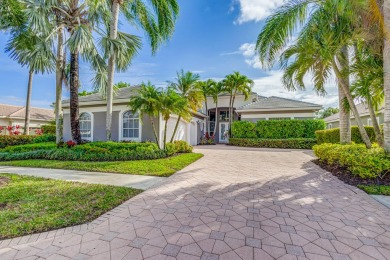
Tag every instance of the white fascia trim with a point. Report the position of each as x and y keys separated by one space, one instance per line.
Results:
x=278 y=109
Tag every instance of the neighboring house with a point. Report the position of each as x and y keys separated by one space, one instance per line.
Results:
x=127 y=126
x=15 y=115
x=333 y=121
x=257 y=108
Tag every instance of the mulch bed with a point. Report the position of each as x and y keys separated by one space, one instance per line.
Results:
x=346 y=176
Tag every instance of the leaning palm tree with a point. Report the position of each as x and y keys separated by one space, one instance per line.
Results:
x=146 y=101
x=216 y=90
x=386 y=68
x=157 y=22
x=235 y=84
x=309 y=16
x=187 y=88
x=35 y=53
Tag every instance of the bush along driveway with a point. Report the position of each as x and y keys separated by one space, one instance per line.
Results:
x=234 y=203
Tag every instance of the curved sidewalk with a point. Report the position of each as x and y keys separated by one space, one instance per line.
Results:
x=234 y=203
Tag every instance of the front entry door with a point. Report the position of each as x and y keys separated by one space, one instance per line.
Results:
x=223 y=132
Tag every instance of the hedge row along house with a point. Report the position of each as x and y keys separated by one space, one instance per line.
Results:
x=129 y=126
x=13 y=116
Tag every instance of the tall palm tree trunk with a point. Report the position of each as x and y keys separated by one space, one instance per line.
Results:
x=26 y=130
x=74 y=96
x=175 y=130
x=351 y=102
x=386 y=70
x=165 y=133
x=155 y=132
x=207 y=118
x=377 y=130
x=345 y=119
x=111 y=68
x=216 y=121
x=59 y=80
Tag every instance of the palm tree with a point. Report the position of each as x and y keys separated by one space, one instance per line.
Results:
x=215 y=91
x=146 y=101
x=187 y=88
x=237 y=83
x=368 y=87
x=34 y=52
x=386 y=69
x=205 y=87
x=158 y=31
x=169 y=103
x=321 y=55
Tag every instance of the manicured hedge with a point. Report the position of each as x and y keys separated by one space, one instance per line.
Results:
x=292 y=143
x=277 y=129
x=11 y=140
x=94 y=151
x=333 y=135
x=49 y=129
x=367 y=163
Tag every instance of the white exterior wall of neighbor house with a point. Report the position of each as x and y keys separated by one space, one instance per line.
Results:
x=34 y=124
x=269 y=116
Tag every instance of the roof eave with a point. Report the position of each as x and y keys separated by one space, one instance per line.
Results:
x=280 y=109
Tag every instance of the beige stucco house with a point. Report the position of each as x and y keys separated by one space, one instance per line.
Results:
x=333 y=121
x=15 y=115
x=128 y=126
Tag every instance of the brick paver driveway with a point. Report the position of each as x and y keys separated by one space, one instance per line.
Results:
x=234 y=203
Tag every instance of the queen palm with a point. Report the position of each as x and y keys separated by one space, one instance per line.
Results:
x=205 y=87
x=186 y=86
x=157 y=22
x=33 y=52
x=345 y=15
x=216 y=89
x=146 y=101
x=237 y=83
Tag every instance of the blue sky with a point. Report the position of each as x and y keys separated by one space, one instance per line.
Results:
x=212 y=38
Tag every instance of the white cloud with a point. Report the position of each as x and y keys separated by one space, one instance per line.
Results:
x=248 y=50
x=271 y=85
x=256 y=10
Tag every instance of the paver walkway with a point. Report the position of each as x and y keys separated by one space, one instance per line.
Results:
x=233 y=203
x=116 y=179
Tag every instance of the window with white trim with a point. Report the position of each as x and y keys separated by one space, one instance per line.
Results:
x=86 y=126
x=130 y=125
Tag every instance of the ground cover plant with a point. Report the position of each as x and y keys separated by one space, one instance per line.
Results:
x=30 y=204
x=356 y=165
x=160 y=167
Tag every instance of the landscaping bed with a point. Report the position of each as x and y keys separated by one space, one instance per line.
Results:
x=30 y=204
x=161 y=167
x=356 y=165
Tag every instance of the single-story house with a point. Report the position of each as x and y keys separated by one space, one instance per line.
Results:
x=257 y=108
x=127 y=125
x=333 y=121
x=15 y=115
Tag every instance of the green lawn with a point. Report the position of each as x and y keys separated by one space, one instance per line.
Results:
x=375 y=190
x=160 y=167
x=30 y=204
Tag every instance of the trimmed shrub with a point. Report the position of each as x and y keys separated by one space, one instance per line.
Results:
x=99 y=151
x=367 y=163
x=183 y=147
x=28 y=148
x=292 y=143
x=333 y=135
x=277 y=129
x=49 y=129
x=11 y=140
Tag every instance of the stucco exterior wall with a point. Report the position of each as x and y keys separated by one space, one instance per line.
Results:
x=365 y=119
x=267 y=115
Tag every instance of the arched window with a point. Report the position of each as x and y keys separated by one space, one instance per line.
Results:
x=86 y=126
x=130 y=126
